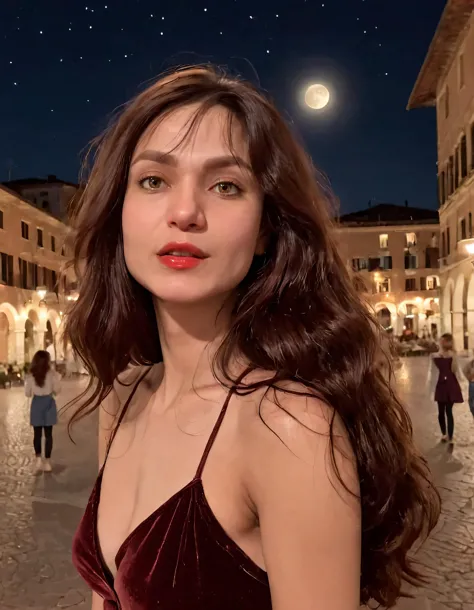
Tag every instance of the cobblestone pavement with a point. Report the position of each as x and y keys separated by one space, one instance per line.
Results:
x=39 y=513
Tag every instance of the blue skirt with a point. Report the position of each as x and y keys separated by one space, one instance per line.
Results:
x=43 y=411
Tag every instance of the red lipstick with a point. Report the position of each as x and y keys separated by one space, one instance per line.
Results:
x=177 y=255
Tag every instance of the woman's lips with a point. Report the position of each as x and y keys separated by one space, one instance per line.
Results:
x=181 y=248
x=176 y=255
x=173 y=261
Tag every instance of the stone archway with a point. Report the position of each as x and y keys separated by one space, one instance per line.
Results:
x=432 y=317
x=385 y=314
x=384 y=318
x=4 y=333
x=470 y=310
x=55 y=320
x=409 y=314
x=54 y=337
x=31 y=335
x=447 y=307
x=8 y=349
x=29 y=340
x=458 y=318
x=48 y=335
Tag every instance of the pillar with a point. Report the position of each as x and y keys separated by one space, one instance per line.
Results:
x=458 y=330
x=19 y=337
x=446 y=326
x=470 y=328
x=11 y=346
x=39 y=339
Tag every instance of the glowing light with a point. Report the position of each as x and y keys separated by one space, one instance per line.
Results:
x=467 y=245
x=317 y=97
x=41 y=291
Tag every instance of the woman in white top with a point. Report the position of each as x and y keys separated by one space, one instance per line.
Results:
x=42 y=384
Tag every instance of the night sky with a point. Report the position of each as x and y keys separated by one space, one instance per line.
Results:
x=66 y=66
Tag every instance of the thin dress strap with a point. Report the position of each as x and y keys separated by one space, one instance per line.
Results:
x=123 y=412
x=214 y=433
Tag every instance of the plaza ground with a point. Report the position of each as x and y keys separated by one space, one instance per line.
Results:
x=39 y=514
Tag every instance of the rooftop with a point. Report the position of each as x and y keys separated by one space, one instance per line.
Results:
x=17 y=198
x=440 y=54
x=15 y=185
x=384 y=214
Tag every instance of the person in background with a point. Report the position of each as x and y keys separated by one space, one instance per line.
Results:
x=448 y=391
x=469 y=374
x=52 y=353
x=42 y=384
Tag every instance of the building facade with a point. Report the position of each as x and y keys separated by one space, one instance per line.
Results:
x=446 y=81
x=33 y=290
x=393 y=252
x=51 y=194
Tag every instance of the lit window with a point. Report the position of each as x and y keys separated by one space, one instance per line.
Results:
x=383 y=285
x=383 y=240
x=411 y=240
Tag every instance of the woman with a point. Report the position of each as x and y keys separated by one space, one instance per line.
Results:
x=234 y=368
x=42 y=384
x=448 y=390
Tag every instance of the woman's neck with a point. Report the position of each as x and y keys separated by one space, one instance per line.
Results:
x=190 y=335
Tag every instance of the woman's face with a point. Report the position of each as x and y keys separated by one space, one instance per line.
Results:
x=445 y=345
x=191 y=217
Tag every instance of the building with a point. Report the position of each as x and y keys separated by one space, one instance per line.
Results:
x=33 y=293
x=446 y=81
x=51 y=194
x=393 y=251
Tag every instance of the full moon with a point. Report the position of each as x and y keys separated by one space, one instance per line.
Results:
x=317 y=97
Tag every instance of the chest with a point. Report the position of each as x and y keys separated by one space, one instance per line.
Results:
x=156 y=455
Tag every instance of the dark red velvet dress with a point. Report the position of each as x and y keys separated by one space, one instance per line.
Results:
x=179 y=558
x=448 y=389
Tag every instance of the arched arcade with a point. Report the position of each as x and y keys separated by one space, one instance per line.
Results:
x=24 y=331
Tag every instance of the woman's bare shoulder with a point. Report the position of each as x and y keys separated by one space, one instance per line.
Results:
x=300 y=477
x=292 y=418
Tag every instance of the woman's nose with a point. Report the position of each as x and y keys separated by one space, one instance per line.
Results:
x=185 y=211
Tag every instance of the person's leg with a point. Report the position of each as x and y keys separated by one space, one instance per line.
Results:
x=442 y=417
x=48 y=432
x=450 y=418
x=38 y=433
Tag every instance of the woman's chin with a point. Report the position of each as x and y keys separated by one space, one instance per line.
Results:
x=186 y=297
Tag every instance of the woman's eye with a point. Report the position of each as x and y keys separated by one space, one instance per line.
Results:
x=228 y=189
x=151 y=183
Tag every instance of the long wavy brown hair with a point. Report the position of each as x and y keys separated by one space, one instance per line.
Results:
x=40 y=366
x=296 y=313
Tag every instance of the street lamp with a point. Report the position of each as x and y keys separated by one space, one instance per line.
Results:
x=41 y=291
x=468 y=245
